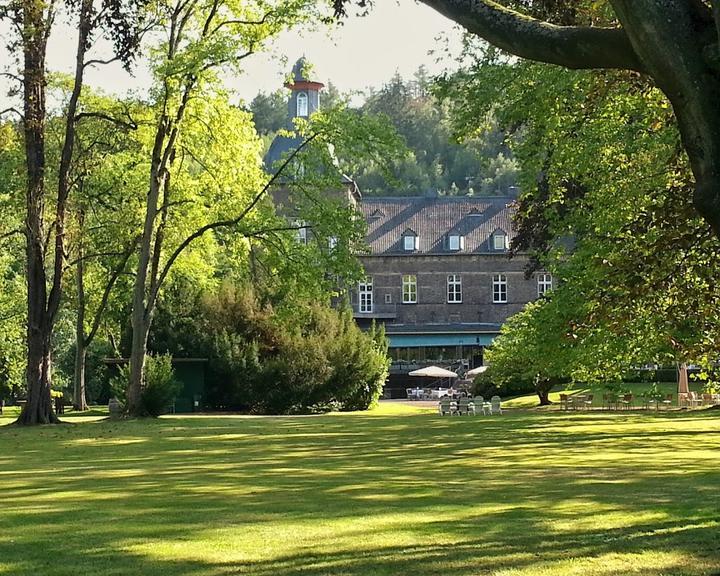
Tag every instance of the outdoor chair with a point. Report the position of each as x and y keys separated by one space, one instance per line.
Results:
x=610 y=401
x=495 y=405
x=667 y=402
x=465 y=406
x=410 y=392
x=471 y=406
x=447 y=406
x=627 y=401
x=481 y=405
x=707 y=400
x=587 y=402
x=564 y=402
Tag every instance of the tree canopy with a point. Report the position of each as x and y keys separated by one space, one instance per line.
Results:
x=674 y=44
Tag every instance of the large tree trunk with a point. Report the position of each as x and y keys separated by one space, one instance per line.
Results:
x=673 y=44
x=38 y=409
x=141 y=312
x=542 y=389
x=79 y=400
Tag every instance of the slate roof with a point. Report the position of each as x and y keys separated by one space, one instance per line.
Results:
x=280 y=147
x=433 y=219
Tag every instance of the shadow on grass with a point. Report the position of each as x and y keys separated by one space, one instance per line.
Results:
x=357 y=494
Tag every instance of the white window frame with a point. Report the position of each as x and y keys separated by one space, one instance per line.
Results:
x=365 y=296
x=411 y=242
x=544 y=284
x=409 y=289
x=503 y=238
x=301 y=232
x=302 y=104
x=500 y=288
x=454 y=289
x=456 y=242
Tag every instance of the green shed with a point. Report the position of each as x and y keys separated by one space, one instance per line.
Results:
x=190 y=372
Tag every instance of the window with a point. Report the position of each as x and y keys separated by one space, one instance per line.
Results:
x=454 y=289
x=332 y=242
x=499 y=241
x=365 y=296
x=302 y=104
x=456 y=242
x=499 y=289
x=411 y=242
x=544 y=284
x=300 y=233
x=388 y=298
x=409 y=289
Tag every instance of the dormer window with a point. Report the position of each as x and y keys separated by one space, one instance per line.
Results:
x=411 y=242
x=302 y=104
x=499 y=240
x=456 y=242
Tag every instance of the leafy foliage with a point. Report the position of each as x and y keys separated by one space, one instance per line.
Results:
x=433 y=159
x=293 y=356
x=607 y=207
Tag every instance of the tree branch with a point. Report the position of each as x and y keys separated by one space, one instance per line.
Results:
x=225 y=223
x=117 y=272
x=130 y=125
x=576 y=47
x=244 y=22
x=14 y=110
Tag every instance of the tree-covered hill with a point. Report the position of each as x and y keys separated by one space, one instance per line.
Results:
x=435 y=162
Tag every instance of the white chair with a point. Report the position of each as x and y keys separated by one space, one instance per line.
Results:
x=495 y=405
x=481 y=405
x=446 y=406
x=466 y=406
x=410 y=392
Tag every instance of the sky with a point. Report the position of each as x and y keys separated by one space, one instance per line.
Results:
x=397 y=36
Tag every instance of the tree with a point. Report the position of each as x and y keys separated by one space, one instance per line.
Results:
x=44 y=265
x=602 y=163
x=676 y=44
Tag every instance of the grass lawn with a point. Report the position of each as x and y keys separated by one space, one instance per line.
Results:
x=393 y=492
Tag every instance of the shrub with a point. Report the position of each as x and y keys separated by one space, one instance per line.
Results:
x=161 y=386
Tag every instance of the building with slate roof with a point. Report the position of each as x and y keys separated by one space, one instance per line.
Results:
x=438 y=272
x=440 y=279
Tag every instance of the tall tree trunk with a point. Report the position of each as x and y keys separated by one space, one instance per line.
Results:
x=38 y=409
x=79 y=400
x=140 y=313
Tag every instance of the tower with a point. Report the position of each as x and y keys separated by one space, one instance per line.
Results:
x=304 y=92
x=304 y=100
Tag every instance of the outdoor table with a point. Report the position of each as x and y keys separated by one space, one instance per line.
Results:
x=439 y=393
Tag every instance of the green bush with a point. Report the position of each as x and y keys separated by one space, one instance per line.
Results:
x=160 y=390
x=161 y=386
x=273 y=357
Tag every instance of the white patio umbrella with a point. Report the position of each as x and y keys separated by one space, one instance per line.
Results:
x=433 y=372
x=475 y=371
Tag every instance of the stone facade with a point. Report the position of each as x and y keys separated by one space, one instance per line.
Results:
x=418 y=246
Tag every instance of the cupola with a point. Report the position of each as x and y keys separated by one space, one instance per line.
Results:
x=304 y=92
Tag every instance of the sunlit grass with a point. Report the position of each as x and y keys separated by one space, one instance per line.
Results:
x=398 y=490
